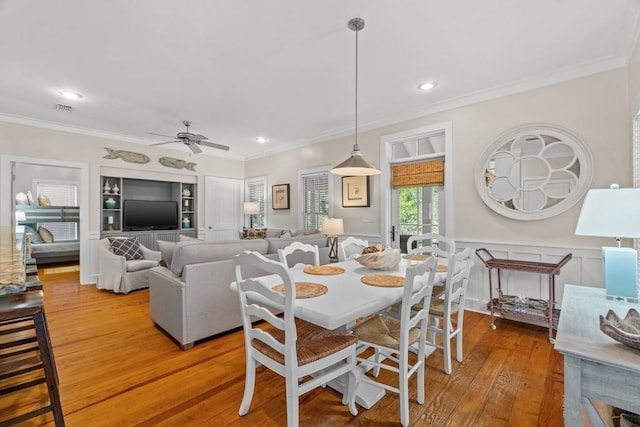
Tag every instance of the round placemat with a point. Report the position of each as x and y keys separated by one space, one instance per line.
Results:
x=304 y=289
x=383 y=280
x=323 y=270
x=415 y=257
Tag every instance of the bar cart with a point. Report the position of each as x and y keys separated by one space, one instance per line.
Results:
x=523 y=309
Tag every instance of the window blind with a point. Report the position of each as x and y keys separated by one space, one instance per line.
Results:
x=256 y=191
x=60 y=194
x=315 y=191
x=421 y=174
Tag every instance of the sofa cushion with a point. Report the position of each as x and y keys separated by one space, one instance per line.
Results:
x=196 y=252
x=274 y=232
x=35 y=237
x=166 y=251
x=276 y=243
x=140 y=264
x=128 y=248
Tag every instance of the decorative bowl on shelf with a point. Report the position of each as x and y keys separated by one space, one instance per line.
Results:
x=382 y=260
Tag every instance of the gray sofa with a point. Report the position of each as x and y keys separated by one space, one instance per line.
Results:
x=190 y=298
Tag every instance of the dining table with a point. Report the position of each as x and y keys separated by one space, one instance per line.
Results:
x=346 y=300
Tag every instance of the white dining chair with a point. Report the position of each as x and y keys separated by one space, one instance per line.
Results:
x=299 y=246
x=431 y=243
x=306 y=355
x=446 y=312
x=392 y=338
x=351 y=247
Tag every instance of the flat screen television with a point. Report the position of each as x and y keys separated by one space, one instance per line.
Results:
x=149 y=215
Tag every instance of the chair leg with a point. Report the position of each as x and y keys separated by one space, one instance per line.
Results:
x=249 y=384
x=376 y=369
x=446 y=347
x=404 y=390
x=49 y=367
x=292 y=400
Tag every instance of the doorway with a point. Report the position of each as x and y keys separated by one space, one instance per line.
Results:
x=409 y=209
x=7 y=203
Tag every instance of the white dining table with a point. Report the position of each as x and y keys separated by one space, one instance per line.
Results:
x=347 y=299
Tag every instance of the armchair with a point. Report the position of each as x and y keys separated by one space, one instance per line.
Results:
x=120 y=275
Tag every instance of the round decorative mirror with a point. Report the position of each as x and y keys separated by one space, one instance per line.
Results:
x=534 y=172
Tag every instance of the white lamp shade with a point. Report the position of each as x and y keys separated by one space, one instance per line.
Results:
x=332 y=226
x=611 y=212
x=251 y=208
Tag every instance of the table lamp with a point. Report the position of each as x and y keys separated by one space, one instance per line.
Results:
x=251 y=208
x=333 y=227
x=614 y=212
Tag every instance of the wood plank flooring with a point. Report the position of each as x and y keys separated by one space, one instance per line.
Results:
x=117 y=369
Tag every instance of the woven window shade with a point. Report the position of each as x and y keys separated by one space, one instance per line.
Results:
x=423 y=174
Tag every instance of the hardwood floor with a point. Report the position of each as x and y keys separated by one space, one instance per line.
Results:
x=117 y=369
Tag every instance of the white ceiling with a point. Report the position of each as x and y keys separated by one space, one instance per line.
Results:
x=285 y=69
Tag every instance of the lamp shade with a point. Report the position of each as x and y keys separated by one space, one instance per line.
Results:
x=356 y=165
x=610 y=212
x=332 y=226
x=251 y=208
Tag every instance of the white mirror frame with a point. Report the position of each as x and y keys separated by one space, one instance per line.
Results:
x=568 y=137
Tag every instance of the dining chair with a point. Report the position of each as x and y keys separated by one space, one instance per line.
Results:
x=299 y=246
x=431 y=243
x=350 y=248
x=392 y=338
x=446 y=312
x=306 y=355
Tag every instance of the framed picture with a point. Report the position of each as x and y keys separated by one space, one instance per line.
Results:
x=280 y=196
x=355 y=191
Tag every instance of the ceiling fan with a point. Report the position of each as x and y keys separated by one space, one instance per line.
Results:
x=191 y=140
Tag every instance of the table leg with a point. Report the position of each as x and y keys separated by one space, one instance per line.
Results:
x=572 y=391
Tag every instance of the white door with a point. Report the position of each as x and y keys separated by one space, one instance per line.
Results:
x=222 y=209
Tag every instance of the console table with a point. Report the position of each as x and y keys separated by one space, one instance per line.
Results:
x=595 y=366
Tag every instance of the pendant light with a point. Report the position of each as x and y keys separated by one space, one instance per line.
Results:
x=356 y=165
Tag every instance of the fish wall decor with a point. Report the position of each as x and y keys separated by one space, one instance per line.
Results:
x=171 y=162
x=127 y=156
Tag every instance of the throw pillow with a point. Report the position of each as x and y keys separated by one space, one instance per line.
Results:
x=35 y=237
x=45 y=235
x=253 y=233
x=166 y=251
x=43 y=200
x=128 y=248
x=286 y=234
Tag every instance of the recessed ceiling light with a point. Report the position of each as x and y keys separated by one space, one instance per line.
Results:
x=69 y=94
x=427 y=85
x=261 y=139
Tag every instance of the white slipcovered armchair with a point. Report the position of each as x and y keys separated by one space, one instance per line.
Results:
x=120 y=275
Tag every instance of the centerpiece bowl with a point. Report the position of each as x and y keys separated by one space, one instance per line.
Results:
x=382 y=260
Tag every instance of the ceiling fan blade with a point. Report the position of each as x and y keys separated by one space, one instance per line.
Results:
x=159 y=134
x=162 y=143
x=194 y=147
x=197 y=137
x=214 y=145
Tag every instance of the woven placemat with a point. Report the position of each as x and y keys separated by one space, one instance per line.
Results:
x=441 y=268
x=304 y=289
x=383 y=280
x=415 y=257
x=323 y=270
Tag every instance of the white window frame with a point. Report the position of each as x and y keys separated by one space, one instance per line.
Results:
x=313 y=171
x=248 y=183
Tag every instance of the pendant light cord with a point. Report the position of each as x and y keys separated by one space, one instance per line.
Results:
x=355 y=146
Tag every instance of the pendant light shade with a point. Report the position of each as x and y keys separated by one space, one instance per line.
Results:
x=356 y=164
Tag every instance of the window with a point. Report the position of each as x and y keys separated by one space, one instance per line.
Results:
x=315 y=198
x=255 y=191
x=60 y=194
